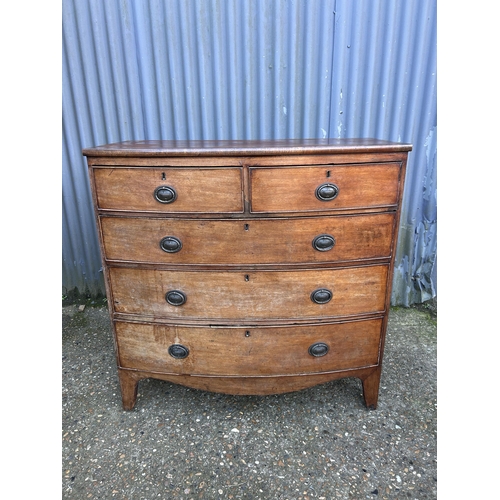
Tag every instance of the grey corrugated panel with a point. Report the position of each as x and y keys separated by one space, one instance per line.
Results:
x=206 y=69
x=81 y=257
x=232 y=78
x=384 y=86
x=415 y=278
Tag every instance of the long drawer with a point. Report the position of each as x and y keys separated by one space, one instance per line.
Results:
x=254 y=295
x=251 y=241
x=325 y=187
x=248 y=351
x=169 y=190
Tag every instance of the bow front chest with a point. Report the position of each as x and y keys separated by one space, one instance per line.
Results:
x=248 y=267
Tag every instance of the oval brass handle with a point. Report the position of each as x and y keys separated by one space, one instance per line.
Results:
x=178 y=351
x=323 y=242
x=170 y=244
x=175 y=298
x=321 y=296
x=327 y=192
x=318 y=349
x=165 y=194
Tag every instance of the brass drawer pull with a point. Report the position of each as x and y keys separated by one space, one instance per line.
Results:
x=170 y=244
x=327 y=192
x=165 y=194
x=178 y=351
x=321 y=296
x=175 y=298
x=318 y=349
x=323 y=242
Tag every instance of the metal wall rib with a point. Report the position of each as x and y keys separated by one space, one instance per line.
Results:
x=255 y=69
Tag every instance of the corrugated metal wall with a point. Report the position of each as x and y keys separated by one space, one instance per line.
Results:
x=230 y=69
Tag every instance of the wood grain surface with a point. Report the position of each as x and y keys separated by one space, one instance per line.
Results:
x=248 y=241
x=257 y=295
x=289 y=189
x=249 y=351
x=158 y=148
x=198 y=189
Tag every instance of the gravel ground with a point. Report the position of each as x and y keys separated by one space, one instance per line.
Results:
x=180 y=443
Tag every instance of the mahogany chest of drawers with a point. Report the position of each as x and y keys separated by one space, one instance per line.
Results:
x=248 y=267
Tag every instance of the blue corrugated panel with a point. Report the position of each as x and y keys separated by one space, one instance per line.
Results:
x=259 y=69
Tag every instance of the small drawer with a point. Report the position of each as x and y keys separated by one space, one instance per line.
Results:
x=169 y=190
x=219 y=296
x=248 y=351
x=248 y=241
x=324 y=188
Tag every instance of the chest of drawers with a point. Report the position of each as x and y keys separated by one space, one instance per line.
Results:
x=248 y=267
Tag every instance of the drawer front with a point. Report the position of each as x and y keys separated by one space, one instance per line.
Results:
x=251 y=351
x=182 y=190
x=326 y=187
x=251 y=241
x=240 y=296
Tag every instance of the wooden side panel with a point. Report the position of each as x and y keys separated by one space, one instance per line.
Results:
x=217 y=190
x=252 y=351
x=255 y=295
x=289 y=189
x=250 y=241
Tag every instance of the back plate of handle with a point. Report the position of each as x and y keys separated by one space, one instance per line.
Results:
x=327 y=192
